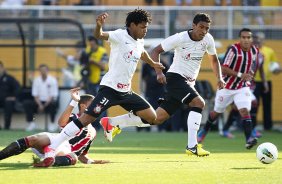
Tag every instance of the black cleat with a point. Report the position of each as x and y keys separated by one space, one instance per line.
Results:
x=251 y=142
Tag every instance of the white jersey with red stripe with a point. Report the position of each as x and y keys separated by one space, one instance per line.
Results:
x=124 y=57
x=188 y=54
x=240 y=61
x=81 y=143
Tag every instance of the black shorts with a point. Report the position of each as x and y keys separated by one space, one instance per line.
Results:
x=178 y=92
x=108 y=97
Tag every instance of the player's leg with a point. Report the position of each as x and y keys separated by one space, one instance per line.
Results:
x=233 y=114
x=19 y=146
x=222 y=100
x=242 y=100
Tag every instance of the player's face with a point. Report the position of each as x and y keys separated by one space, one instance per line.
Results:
x=201 y=29
x=140 y=30
x=246 y=40
x=84 y=106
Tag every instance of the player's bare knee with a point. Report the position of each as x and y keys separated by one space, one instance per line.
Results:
x=244 y=112
x=197 y=102
x=32 y=140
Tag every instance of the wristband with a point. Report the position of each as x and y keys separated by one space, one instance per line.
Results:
x=90 y=161
x=73 y=103
x=239 y=74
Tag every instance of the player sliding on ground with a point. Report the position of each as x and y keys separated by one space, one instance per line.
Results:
x=69 y=151
x=189 y=48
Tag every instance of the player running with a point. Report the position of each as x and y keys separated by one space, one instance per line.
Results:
x=127 y=48
x=189 y=48
x=240 y=63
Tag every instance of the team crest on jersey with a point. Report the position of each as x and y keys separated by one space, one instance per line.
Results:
x=98 y=109
x=204 y=46
x=129 y=56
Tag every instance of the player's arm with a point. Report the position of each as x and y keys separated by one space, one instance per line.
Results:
x=64 y=117
x=98 y=31
x=156 y=65
x=262 y=75
x=86 y=160
x=156 y=57
x=217 y=70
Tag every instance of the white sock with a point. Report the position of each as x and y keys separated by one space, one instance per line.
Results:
x=67 y=133
x=193 y=122
x=126 y=120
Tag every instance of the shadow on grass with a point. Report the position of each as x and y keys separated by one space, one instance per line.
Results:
x=24 y=166
x=247 y=168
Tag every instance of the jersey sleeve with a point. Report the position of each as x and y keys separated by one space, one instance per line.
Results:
x=114 y=36
x=211 y=50
x=230 y=55
x=171 y=42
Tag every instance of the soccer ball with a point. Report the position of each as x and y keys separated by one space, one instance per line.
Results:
x=273 y=66
x=267 y=153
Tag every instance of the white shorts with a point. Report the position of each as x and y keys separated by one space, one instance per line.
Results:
x=64 y=148
x=242 y=98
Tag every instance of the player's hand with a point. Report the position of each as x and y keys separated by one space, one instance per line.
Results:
x=266 y=87
x=101 y=162
x=161 y=78
x=158 y=65
x=247 y=77
x=220 y=83
x=75 y=94
x=100 y=20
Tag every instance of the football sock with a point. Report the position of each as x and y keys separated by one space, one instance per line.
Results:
x=232 y=115
x=247 y=126
x=64 y=160
x=210 y=121
x=193 y=123
x=69 y=131
x=126 y=120
x=14 y=148
x=254 y=116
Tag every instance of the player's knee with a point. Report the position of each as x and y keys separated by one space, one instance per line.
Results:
x=244 y=112
x=32 y=140
x=198 y=102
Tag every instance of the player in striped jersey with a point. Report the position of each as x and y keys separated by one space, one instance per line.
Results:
x=70 y=151
x=239 y=65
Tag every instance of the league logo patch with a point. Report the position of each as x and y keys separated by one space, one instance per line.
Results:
x=98 y=109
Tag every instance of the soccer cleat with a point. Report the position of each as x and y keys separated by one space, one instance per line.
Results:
x=256 y=133
x=116 y=131
x=197 y=150
x=108 y=128
x=201 y=135
x=251 y=142
x=227 y=134
x=47 y=162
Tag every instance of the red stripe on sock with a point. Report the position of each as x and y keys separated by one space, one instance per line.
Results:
x=246 y=117
x=27 y=142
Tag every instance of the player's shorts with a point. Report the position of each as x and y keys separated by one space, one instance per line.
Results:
x=241 y=97
x=64 y=148
x=108 y=97
x=178 y=92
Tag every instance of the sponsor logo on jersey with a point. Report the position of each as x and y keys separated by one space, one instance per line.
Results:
x=188 y=57
x=129 y=57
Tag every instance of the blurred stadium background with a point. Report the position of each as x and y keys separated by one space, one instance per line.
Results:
x=30 y=34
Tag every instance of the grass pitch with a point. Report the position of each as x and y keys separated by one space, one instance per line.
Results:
x=151 y=158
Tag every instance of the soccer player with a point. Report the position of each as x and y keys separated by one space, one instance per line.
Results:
x=239 y=66
x=189 y=48
x=127 y=48
x=70 y=151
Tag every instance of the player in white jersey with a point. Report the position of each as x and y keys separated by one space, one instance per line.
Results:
x=127 y=48
x=189 y=48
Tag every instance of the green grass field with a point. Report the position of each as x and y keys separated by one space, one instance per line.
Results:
x=151 y=158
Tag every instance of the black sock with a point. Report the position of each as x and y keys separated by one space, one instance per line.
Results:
x=14 y=148
x=64 y=160
x=232 y=115
x=209 y=123
x=254 y=116
x=247 y=126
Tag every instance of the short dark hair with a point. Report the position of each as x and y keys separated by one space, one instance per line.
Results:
x=204 y=17
x=138 y=16
x=84 y=99
x=244 y=30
